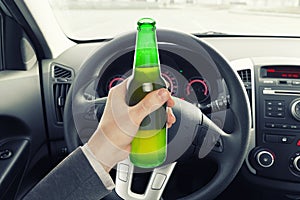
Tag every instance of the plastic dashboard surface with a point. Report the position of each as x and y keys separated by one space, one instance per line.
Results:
x=245 y=53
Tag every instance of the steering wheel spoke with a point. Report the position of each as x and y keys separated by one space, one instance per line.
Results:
x=220 y=152
x=217 y=144
x=157 y=183
x=89 y=108
x=86 y=115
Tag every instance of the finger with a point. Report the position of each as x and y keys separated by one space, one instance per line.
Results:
x=171 y=119
x=150 y=103
x=170 y=102
x=120 y=88
x=117 y=94
x=169 y=125
x=119 y=111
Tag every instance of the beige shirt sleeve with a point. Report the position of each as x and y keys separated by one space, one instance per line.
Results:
x=98 y=168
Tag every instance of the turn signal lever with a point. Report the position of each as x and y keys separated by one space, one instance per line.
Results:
x=216 y=106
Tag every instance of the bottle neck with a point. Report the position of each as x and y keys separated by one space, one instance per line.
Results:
x=146 y=53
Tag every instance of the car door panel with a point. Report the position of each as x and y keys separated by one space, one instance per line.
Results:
x=13 y=154
x=22 y=122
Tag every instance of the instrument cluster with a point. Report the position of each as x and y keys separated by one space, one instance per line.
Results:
x=182 y=78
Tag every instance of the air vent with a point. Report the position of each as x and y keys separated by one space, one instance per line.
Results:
x=60 y=91
x=246 y=78
x=60 y=72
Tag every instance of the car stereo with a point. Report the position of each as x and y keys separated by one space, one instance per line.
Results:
x=277 y=93
x=286 y=72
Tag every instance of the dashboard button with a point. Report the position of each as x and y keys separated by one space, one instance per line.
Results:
x=297 y=163
x=279 y=108
x=265 y=159
x=294 y=127
x=275 y=114
x=280 y=103
x=269 y=114
x=270 y=125
x=5 y=154
x=295 y=109
x=270 y=108
x=286 y=139
x=158 y=181
x=123 y=172
x=268 y=82
x=279 y=114
x=284 y=126
x=274 y=103
x=296 y=82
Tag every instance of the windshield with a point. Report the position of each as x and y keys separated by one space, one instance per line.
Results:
x=102 y=19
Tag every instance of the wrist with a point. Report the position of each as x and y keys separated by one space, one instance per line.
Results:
x=98 y=167
x=94 y=152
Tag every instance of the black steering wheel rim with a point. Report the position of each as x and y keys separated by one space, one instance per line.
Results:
x=239 y=105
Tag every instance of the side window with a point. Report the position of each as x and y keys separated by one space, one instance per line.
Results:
x=16 y=50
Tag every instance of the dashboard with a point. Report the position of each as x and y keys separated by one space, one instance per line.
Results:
x=274 y=152
x=273 y=87
x=270 y=70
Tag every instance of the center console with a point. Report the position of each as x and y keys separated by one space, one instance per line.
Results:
x=276 y=90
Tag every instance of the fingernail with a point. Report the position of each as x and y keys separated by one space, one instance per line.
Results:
x=163 y=94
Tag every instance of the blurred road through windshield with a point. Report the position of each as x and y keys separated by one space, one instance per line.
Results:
x=101 y=19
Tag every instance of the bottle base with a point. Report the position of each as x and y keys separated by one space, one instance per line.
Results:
x=149 y=160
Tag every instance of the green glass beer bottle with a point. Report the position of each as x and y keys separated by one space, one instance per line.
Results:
x=150 y=143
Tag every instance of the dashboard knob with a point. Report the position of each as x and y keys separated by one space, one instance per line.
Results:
x=295 y=109
x=265 y=158
x=296 y=163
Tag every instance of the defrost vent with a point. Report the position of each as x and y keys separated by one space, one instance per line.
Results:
x=61 y=74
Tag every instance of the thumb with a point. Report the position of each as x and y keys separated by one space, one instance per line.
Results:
x=150 y=103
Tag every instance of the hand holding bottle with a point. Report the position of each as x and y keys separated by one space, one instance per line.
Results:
x=111 y=142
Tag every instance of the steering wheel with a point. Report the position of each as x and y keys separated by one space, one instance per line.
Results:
x=191 y=124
